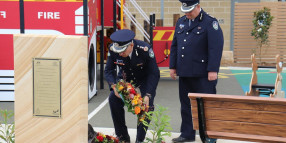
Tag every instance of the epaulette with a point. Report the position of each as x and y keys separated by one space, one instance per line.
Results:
x=210 y=15
x=182 y=17
x=144 y=48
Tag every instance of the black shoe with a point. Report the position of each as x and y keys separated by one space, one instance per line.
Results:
x=181 y=139
x=123 y=139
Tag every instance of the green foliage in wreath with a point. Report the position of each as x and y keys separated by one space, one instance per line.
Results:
x=262 y=22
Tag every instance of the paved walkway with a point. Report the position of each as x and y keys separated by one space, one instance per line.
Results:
x=132 y=133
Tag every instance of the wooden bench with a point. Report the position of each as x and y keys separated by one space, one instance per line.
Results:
x=255 y=88
x=248 y=118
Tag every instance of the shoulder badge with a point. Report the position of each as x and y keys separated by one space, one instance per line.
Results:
x=215 y=25
x=181 y=26
x=151 y=53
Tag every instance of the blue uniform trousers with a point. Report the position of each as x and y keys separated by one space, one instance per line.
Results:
x=192 y=85
x=118 y=115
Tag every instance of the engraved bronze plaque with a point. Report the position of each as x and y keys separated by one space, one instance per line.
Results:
x=47 y=87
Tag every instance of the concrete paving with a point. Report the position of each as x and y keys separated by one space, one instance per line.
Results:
x=167 y=96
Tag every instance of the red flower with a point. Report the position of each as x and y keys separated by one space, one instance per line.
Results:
x=132 y=91
x=108 y=137
x=100 y=138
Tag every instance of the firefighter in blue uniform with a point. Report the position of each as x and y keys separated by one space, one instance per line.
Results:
x=136 y=62
x=195 y=57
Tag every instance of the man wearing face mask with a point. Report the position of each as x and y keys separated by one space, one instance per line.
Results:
x=136 y=62
x=195 y=57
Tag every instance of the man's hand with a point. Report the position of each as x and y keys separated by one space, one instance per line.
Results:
x=212 y=76
x=115 y=91
x=173 y=74
x=146 y=101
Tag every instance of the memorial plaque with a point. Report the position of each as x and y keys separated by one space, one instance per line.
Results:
x=47 y=87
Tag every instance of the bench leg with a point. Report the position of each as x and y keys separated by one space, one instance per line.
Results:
x=202 y=122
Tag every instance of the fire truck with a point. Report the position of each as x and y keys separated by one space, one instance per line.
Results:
x=60 y=17
x=162 y=41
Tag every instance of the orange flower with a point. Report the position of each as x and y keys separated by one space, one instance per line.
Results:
x=129 y=86
x=139 y=102
x=137 y=110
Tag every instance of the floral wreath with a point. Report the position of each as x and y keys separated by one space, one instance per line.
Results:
x=132 y=99
x=102 y=138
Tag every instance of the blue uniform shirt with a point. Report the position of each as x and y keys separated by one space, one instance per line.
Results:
x=196 y=49
x=141 y=69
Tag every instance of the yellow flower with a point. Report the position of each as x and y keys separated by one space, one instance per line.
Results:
x=136 y=97
x=120 y=88
x=134 y=102
x=101 y=134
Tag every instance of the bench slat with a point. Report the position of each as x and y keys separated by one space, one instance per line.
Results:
x=245 y=105
x=246 y=137
x=263 y=117
x=245 y=128
x=246 y=99
x=222 y=97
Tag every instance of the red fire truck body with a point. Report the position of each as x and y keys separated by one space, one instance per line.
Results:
x=57 y=17
x=162 y=41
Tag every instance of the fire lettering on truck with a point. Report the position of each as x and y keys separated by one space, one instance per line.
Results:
x=3 y=14
x=49 y=15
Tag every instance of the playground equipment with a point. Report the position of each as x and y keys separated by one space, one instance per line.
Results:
x=256 y=88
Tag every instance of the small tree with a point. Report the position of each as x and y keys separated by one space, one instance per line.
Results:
x=261 y=22
x=7 y=131
x=159 y=125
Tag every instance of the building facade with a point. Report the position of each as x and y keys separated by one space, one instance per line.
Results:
x=221 y=9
